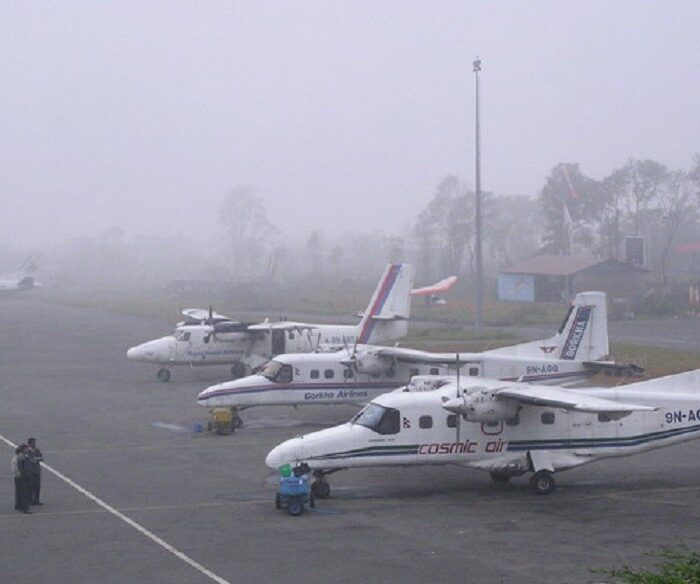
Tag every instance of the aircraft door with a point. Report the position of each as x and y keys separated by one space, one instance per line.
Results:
x=278 y=342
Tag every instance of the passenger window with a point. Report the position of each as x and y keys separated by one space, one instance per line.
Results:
x=329 y=373
x=314 y=374
x=206 y=339
x=434 y=371
x=186 y=336
x=474 y=371
x=348 y=373
x=548 y=418
x=415 y=371
x=375 y=375
x=452 y=421
x=603 y=417
x=514 y=421
x=491 y=424
x=425 y=422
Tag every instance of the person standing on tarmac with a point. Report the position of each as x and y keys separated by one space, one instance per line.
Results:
x=20 y=470
x=35 y=458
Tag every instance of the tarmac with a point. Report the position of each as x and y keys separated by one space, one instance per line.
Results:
x=134 y=495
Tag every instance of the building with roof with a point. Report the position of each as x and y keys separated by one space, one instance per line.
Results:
x=557 y=278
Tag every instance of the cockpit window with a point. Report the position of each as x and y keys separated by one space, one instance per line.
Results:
x=277 y=372
x=182 y=335
x=379 y=419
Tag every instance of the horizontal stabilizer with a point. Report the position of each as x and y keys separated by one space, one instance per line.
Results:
x=438 y=287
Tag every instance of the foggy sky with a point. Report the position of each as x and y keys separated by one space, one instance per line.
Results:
x=142 y=115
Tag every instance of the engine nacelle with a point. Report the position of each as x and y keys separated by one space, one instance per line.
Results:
x=482 y=406
x=372 y=364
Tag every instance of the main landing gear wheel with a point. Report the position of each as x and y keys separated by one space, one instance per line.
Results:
x=542 y=482
x=321 y=489
x=278 y=501
x=500 y=477
x=312 y=501
x=163 y=375
x=238 y=370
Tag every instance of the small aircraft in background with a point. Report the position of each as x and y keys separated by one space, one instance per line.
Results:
x=21 y=280
x=432 y=293
x=507 y=429
x=359 y=374
x=208 y=338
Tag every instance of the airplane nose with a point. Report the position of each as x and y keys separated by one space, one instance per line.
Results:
x=288 y=452
x=134 y=354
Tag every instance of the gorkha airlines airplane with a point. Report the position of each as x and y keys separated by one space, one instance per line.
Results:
x=212 y=339
x=358 y=375
x=505 y=428
x=21 y=280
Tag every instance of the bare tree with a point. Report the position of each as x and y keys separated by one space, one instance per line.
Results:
x=250 y=232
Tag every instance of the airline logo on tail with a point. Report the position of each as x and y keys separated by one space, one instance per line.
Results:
x=384 y=292
x=578 y=328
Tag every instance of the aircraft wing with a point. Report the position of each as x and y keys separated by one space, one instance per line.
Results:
x=284 y=325
x=416 y=356
x=568 y=400
x=441 y=286
x=200 y=314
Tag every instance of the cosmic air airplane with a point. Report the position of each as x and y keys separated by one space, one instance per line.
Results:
x=507 y=429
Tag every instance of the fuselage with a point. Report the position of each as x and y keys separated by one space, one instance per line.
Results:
x=195 y=344
x=406 y=428
x=326 y=378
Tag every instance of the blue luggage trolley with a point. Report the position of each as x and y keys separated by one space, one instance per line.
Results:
x=295 y=491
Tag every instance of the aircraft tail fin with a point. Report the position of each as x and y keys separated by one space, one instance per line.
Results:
x=386 y=316
x=583 y=335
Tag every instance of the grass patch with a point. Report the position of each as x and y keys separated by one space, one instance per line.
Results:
x=681 y=566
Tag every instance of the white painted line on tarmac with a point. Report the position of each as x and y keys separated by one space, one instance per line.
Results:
x=149 y=534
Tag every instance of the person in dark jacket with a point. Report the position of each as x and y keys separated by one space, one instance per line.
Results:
x=20 y=471
x=35 y=458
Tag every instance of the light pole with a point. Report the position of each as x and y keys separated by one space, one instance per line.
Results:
x=478 y=317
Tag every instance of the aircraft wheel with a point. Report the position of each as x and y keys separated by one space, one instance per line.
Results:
x=542 y=482
x=312 y=501
x=163 y=375
x=236 y=420
x=278 y=501
x=294 y=508
x=238 y=370
x=321 y=489
x=500 y=477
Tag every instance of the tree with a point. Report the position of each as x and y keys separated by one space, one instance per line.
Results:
x=243 y=216
x=445 y=228
x=571 y=204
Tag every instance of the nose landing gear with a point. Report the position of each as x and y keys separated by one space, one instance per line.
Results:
x=320 y=487
x=163 y=375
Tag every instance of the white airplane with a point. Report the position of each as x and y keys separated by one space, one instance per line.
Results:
x=21 y=280
x=208 y=338
x=507 y=429
x=359 y=374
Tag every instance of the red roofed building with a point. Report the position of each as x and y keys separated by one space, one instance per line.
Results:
x=556 y=278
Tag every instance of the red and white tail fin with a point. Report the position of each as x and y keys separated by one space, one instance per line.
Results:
x=386 y=316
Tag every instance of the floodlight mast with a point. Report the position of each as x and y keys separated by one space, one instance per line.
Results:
x=478 y=316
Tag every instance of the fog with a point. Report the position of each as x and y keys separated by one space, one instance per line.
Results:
x=137 y=118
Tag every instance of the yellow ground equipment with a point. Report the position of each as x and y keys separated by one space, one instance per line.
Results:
x=221 y=421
